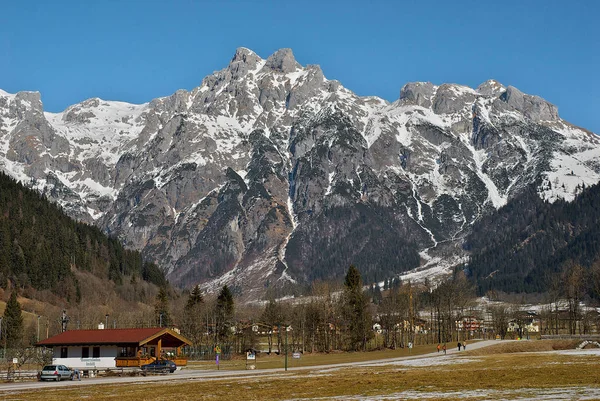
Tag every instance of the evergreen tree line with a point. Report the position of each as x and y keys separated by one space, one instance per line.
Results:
x=206 y=322
x=40 y=246
x=343 y=317
x=523 y=246
x=343 y=322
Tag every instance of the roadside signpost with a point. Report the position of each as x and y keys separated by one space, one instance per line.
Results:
x=250 y=359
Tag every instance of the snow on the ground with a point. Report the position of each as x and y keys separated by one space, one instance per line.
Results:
x=522 y=394
x=586 y=351
x=576 y=165
x=435 y=267
x=109 y=126
x=290 y=208
x=425 y=362
x=569 y=174
x=494 y=195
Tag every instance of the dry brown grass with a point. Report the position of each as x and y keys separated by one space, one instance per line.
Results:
x=516 y=372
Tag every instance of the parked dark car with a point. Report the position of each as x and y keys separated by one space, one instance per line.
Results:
x=55 y=372
x=160 y=366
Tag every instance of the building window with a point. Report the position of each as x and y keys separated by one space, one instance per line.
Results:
x=96 y=352
x=123 y=351
x=152 y=351
x=85 y=352
x=63 y=352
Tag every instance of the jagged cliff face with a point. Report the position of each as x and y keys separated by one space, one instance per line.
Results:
x=269 y=174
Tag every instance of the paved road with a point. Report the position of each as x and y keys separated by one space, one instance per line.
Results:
x=196 y=374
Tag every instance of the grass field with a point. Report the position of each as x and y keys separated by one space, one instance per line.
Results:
x=273 y=361
x=507 y=372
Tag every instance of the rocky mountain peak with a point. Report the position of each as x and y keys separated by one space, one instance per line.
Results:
x=29 y=96
x=418 y=93
x=282 y=61
x=491 y=87
x=452 y=98
x=533 y=107
x=22 y=105
x=243 y=60
x=245 y=55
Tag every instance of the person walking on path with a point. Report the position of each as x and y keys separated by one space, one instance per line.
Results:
x=459 y=346
x=438 y=348
x=464 y=345
x=444 y=348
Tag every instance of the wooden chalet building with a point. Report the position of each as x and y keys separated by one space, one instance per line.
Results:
x=115 y=348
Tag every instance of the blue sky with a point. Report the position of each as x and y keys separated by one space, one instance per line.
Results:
x=135 y=51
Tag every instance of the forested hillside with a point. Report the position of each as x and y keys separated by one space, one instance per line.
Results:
x=525 y=245
x=41 y=248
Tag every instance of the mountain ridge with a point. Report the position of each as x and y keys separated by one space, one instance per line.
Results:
x=166 y=176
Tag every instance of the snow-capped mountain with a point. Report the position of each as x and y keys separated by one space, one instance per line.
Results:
x=268 y=173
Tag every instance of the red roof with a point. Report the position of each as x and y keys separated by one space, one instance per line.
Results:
x=106 y=336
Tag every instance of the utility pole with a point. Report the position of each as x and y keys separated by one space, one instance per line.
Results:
x=64 y=320
x=38 y=328
x=286 y=346
x=3 y=337
x=411 y=314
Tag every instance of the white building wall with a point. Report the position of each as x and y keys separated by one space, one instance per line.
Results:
x=75 y=360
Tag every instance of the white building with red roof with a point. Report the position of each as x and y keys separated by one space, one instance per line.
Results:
x=114 y=348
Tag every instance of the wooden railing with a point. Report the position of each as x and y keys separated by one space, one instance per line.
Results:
x=179 y=360
x=136 y=362
x=133 y=361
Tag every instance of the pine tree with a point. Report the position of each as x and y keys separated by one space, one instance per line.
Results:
x=354 y=310
x=161 y=308
x=271 y=317
x=377 y=296
x=192 y=324
x=225 y=309
x=194 y=299
x=12 y=323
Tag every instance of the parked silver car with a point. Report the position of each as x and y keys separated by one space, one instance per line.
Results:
x=55 y=372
